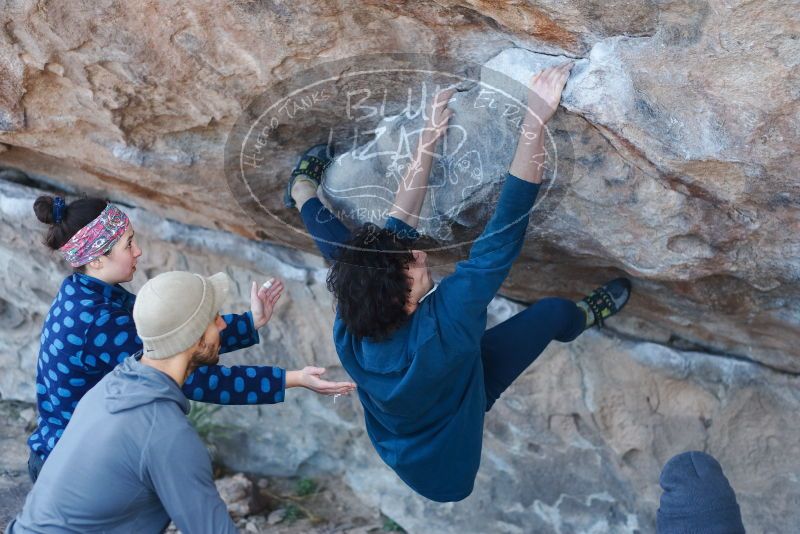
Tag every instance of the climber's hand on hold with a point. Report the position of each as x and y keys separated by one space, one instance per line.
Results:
x=545 y=90
x=543 y=97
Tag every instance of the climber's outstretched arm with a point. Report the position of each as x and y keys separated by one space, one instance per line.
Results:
x=412 y=188
x=543 y=96
x=463 y=296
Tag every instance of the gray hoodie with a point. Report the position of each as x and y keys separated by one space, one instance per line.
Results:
x=127 y=462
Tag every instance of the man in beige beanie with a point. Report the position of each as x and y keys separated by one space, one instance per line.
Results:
x=130 y=461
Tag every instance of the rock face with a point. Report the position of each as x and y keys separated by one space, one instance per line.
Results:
x=576 y=445
x=682 y=117
x=673 y=160
x=17 y=417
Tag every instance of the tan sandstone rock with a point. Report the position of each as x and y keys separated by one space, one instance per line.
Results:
x=681 y=124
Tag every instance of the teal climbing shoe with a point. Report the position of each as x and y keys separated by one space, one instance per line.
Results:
x=311 y=166
x=605 y=301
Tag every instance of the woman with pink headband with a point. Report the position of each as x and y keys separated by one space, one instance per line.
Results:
x=89 y=328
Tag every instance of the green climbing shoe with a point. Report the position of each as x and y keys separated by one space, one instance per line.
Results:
x=605 y=301
x=311 y=166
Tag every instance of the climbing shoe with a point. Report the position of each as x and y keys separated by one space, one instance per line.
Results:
x=310 y=167
x=605 y=301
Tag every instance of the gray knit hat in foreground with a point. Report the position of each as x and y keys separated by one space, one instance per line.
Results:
x=174 y=309
x=697 y=497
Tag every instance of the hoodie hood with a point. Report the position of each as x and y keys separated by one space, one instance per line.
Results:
x=132 y=384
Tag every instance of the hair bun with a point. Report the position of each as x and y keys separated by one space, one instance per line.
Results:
x=43 y=207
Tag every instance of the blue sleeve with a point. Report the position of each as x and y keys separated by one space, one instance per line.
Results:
x=461 y=298
x=239 y=334
x=238 y=384
x=401 y=229
x=109 y=340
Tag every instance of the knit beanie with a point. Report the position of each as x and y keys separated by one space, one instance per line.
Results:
x=697 y=498
x=174 y=309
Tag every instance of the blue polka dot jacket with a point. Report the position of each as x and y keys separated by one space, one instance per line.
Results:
x=89 y=330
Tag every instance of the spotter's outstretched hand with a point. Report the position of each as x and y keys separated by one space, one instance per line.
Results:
x=263 y=300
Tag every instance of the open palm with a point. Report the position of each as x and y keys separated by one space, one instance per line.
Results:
x=263 y=300
x=312 y=379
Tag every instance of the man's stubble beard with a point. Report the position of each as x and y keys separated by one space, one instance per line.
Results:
x=206 y=354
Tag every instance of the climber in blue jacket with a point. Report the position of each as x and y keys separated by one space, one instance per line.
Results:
x=89 y=328
x=426 y=369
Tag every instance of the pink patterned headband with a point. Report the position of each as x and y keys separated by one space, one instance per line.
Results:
x=96 y=238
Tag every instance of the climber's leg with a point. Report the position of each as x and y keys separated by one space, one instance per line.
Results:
x=328 y=231
x=301 y=192
x=510 y=347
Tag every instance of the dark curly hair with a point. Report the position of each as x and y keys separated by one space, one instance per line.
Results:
x=370 y=282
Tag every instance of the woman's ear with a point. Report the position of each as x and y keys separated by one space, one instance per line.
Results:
x=96 y=264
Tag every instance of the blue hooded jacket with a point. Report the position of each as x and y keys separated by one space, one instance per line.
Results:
x=422 y=388
x=128 y=462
